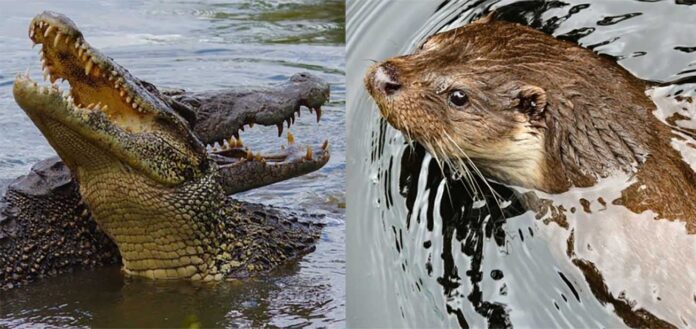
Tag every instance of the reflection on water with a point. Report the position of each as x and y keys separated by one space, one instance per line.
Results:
x=423 y=253
x=196 y=46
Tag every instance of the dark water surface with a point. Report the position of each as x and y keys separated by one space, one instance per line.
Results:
x=195 y=45
x=422 y=253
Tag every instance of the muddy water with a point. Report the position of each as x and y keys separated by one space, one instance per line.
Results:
x=423 y=253
x=196 y=46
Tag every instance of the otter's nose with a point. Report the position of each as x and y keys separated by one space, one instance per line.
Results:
x=386 y=79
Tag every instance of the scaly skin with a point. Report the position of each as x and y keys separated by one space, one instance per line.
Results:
x=145 y=176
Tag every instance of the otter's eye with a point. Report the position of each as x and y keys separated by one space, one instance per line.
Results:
x=458 y=98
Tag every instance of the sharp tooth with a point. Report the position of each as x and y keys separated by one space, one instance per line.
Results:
x=258 y=157
x=249 y=155
x=291 y=138
x=325 y=145
x=122 y=92
x=88 y=67
x=77 y=44
x=90 y=105
x=57 y=39
x=48 y=31
x=318 y=113
x=288 y=122
x=309 y=154
x=31 y=33
x=68 y=39
x=232 y=142
x=280 y=129
x=240 y=143
x=128 y=99
x=45 y=74
x=80 y=51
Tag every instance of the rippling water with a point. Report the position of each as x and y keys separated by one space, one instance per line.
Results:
x=423 y=254
x=197 y=46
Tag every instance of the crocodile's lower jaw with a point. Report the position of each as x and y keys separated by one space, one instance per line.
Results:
x=161 y=233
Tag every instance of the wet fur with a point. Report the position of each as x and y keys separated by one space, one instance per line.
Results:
x=542 y=113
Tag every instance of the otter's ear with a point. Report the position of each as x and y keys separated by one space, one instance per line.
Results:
x=532 y=101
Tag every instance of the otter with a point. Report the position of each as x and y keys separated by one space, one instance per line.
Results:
x=528 y=110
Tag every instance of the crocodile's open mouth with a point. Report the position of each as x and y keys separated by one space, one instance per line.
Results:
x=108 y=107
x=96 y=83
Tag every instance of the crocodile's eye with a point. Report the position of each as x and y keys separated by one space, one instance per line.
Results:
x=458 y=98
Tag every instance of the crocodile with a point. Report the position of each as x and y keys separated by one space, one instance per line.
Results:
x=144 y=174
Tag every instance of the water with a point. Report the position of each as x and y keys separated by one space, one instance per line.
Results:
x=414 y=261
x=197 y=46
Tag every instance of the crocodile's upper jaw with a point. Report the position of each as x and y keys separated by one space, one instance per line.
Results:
x=106 y=107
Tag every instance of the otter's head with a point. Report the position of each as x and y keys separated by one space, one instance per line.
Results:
x=481 y=95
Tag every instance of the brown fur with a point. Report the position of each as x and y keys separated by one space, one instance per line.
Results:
x=542 y=113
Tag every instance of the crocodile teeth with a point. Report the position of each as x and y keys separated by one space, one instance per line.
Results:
x=88 y=67
x=80 y=51
x=318 y=109
x=57 y=39
x=325 y=145
x=280 y=129
x=309 y=154
x=291 y=138
x=48 y=31
x=288 y=122
x=249 y=155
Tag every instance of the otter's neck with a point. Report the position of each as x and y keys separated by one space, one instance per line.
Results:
x=587 y=141
x=161 y=232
